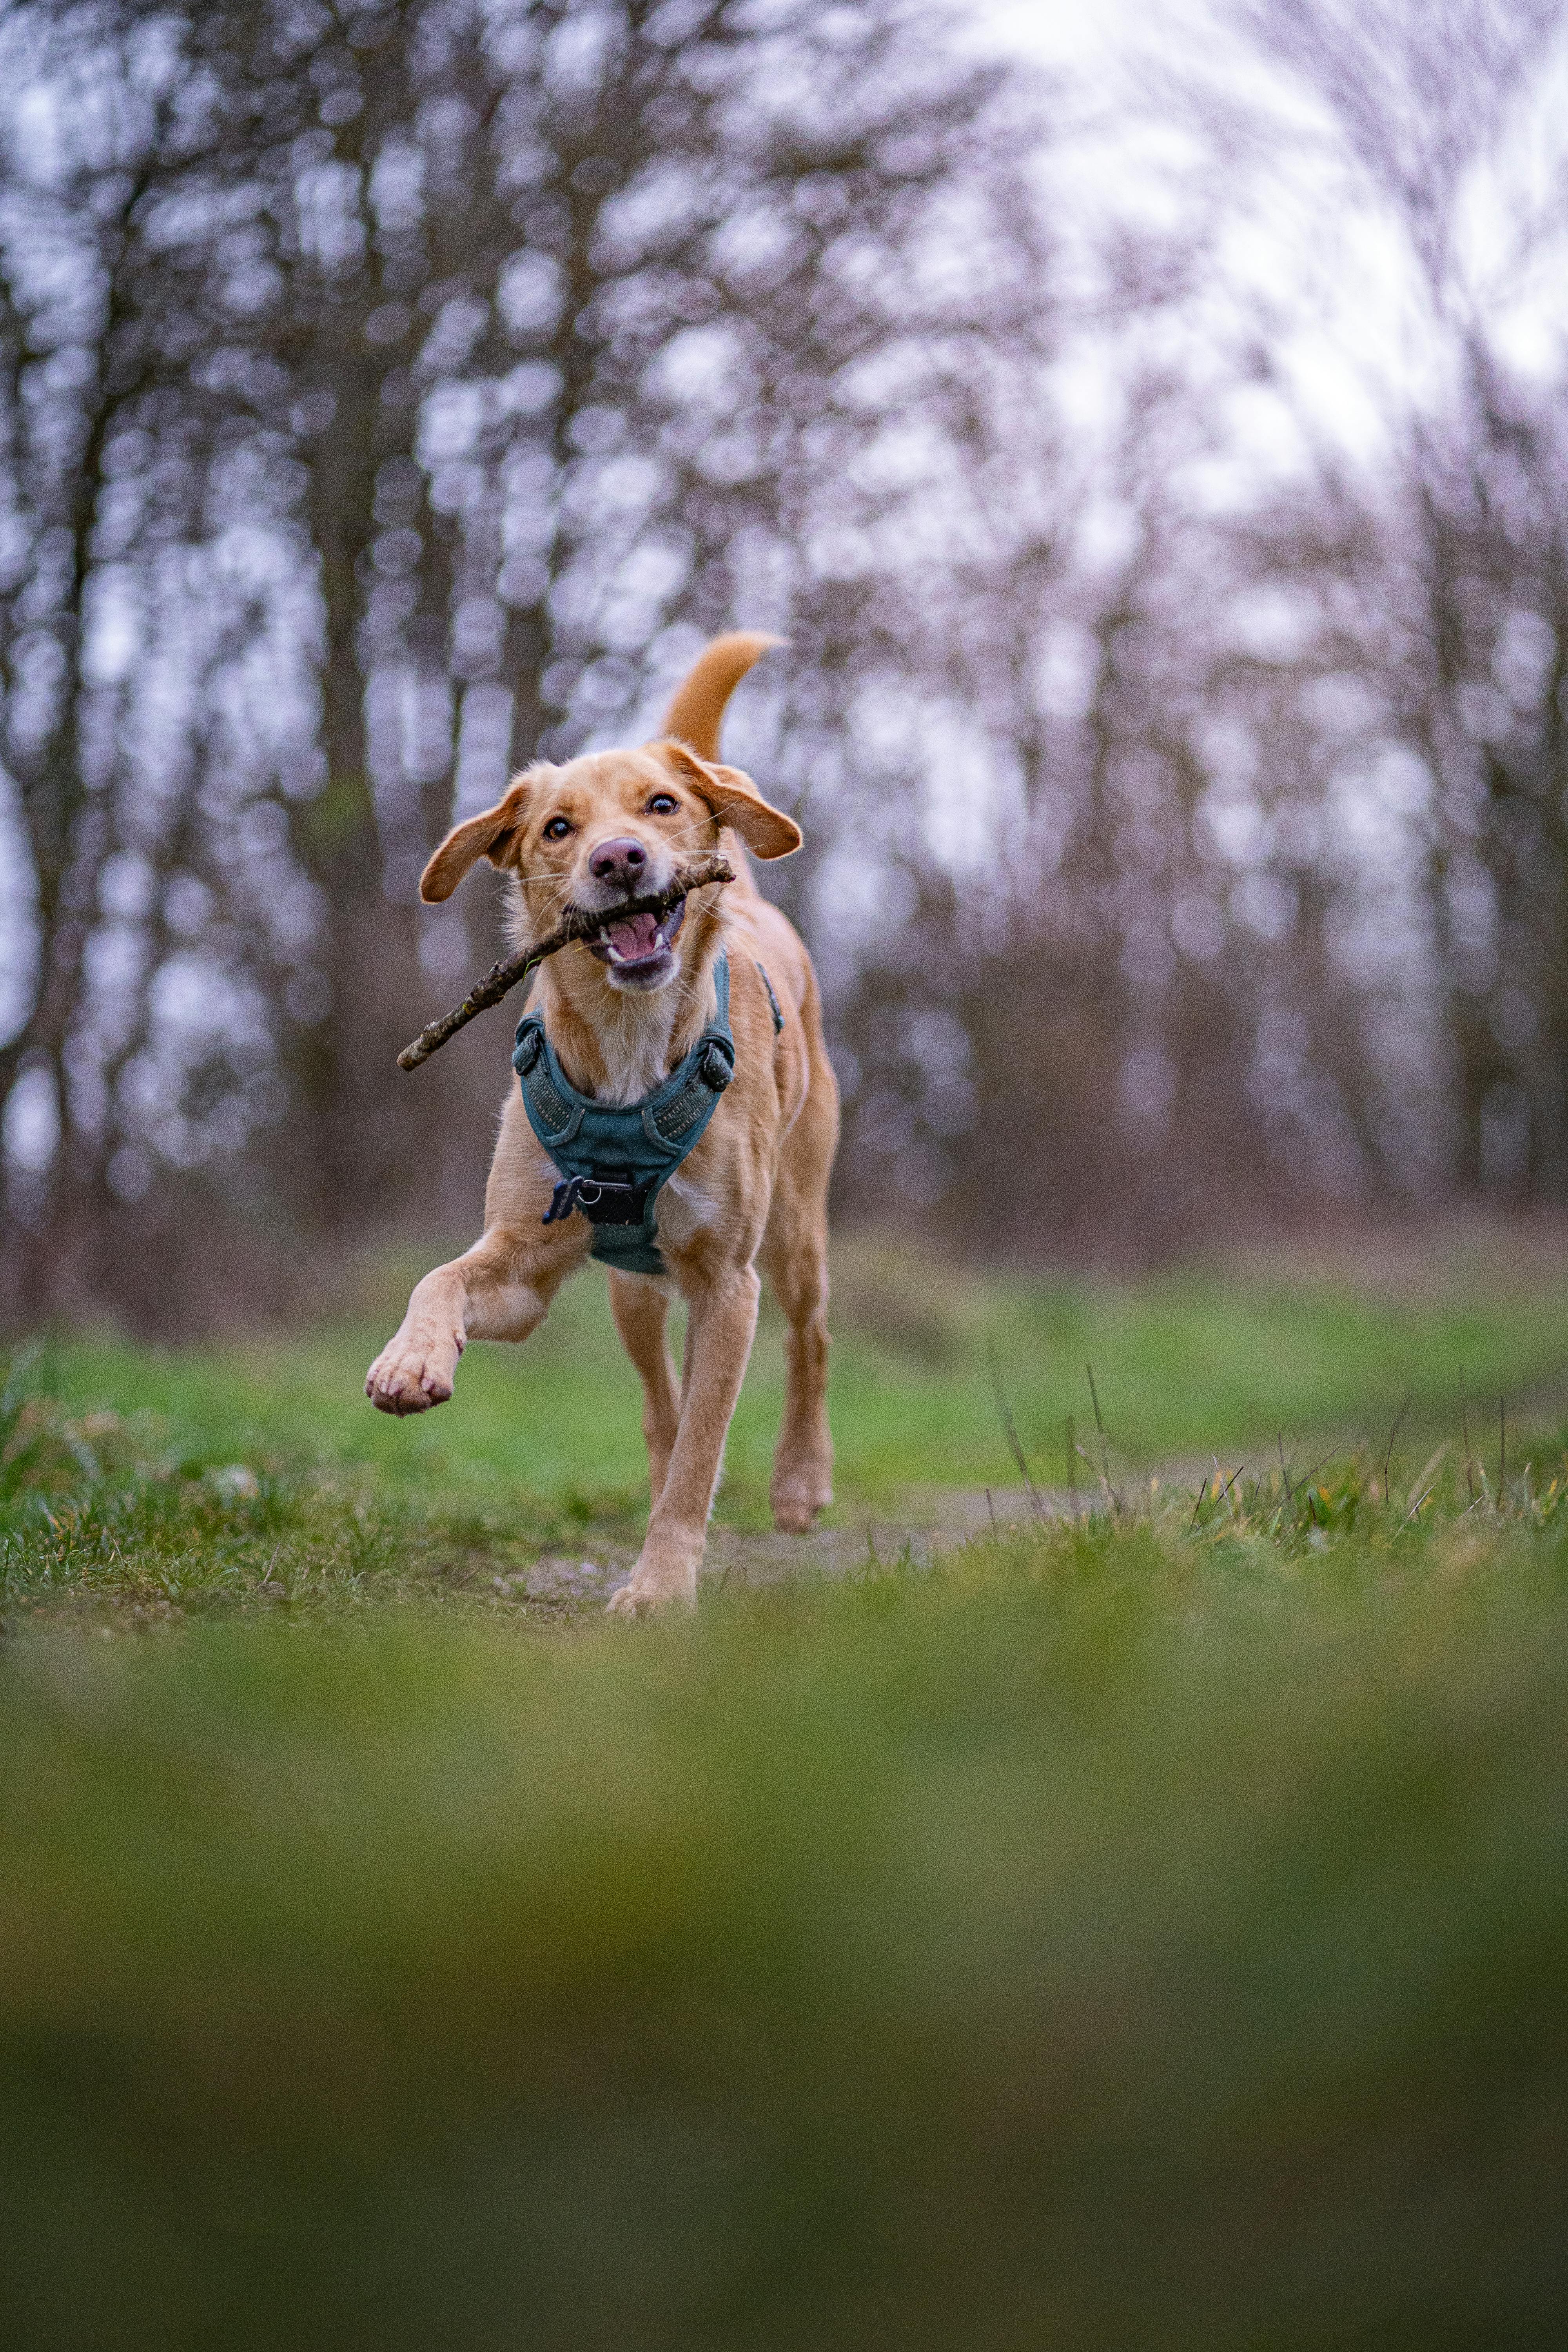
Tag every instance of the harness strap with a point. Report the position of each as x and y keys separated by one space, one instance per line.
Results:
x=773 y=1000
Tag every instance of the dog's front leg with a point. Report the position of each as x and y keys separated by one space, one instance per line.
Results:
x=723 y=1322
x=498 y=1290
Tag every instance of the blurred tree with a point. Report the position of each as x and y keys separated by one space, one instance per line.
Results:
x=482 y=357
x=392 y=394
x=129 y=584
x=1114 y=1017
x=1473 y=522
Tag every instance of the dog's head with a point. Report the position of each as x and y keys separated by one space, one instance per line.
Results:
x=606 y=828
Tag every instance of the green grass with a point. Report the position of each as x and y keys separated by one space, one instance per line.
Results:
x=1146 y=1931
x=1208 y=1358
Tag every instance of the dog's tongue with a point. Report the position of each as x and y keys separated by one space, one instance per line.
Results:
x=635 y=937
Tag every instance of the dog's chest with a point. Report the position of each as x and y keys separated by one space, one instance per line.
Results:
x=636 y=1062
x=685 y=1209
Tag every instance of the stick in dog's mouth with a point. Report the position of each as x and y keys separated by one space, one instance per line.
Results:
x=597 y=929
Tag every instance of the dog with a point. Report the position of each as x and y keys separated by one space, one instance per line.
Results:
x=619 y=1016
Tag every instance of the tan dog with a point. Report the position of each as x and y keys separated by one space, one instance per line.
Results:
x=620 y=1014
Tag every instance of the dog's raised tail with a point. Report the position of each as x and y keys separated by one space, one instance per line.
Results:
x=697 y=713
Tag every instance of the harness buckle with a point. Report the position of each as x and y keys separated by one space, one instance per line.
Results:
x=596 y=1192
x=562 y=1201
x=716 y=1067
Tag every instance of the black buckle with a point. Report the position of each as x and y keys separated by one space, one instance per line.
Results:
x=602 y=1199
x=716 y=1067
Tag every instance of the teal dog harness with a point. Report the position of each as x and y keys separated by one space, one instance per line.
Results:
x=614 y=1160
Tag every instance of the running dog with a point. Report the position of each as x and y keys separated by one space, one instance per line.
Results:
x=676 y=1115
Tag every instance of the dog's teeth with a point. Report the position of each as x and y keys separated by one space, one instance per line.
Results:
x=615 y=954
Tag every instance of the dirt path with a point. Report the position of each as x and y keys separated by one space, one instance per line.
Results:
x=932 y=1522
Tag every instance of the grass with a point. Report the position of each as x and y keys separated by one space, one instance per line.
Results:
x=1150 y=1930
x=1208 y=1358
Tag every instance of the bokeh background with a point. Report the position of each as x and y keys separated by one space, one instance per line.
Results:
x=1108 y=1885
x=1150 y=437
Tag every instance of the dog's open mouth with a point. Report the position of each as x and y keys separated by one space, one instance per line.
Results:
x=637 y=943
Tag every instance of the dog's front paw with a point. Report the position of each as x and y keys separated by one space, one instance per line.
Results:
x=413 y=1372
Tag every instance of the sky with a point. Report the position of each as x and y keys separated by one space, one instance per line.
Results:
x=1307 y=240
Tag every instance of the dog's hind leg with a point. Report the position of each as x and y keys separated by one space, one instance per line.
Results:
x=794 y=1259
x=639 y=1307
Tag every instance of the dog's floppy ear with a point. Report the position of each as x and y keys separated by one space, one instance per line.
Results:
x=489 y=834
x=735 y=801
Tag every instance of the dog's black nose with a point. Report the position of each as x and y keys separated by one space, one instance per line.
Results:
x=618 y=861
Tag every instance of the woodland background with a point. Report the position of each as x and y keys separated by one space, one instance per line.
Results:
x=1176 y=693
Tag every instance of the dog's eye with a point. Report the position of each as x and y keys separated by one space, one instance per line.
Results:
x=557 y=829
x=661 y=804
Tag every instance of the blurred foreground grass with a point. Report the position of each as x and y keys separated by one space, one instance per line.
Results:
x=1151 y=1930
x=1116 y=1936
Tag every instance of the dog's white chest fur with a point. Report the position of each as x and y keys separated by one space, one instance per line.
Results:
x=635 y=1041
x=636 y=1047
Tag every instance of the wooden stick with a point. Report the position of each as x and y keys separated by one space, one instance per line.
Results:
x=577 y=923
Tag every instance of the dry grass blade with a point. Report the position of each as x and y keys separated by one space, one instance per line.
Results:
x=1426 y=1477
x=1465 y=1425
x=1036 y=1503
x=1112 y=1496
x=1321 y=1465
x=1224 y=1490
x=1392 y=1435
x=577 y=923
